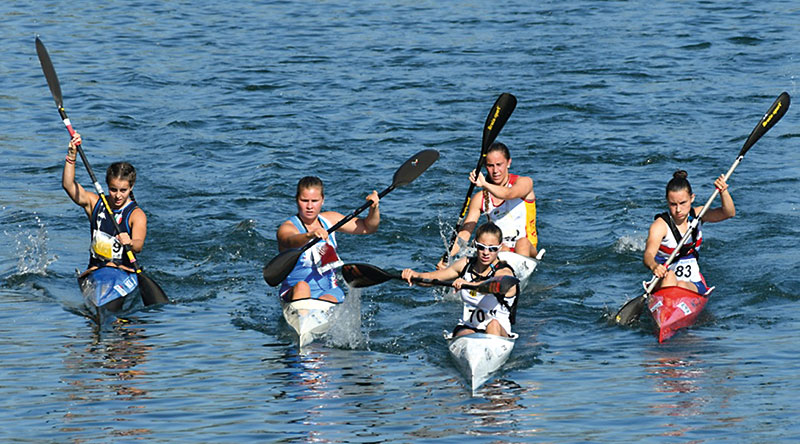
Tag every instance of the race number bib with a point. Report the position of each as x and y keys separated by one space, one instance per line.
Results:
x=105 y=247
x=687 y=270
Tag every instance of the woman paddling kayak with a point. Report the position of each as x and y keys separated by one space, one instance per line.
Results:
x=314 y=275
x=106 y=245
x=482 y=313
x=507 y=200
x=669 y=227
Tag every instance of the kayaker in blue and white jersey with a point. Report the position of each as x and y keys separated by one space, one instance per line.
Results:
x=669 y=227
x=106 y=245
x=314 y=274
x=507 y=200
x=482 y=312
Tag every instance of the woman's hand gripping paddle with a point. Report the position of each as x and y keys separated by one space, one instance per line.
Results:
x=366 y=275
x=151 y=292
x=633 y=308
x=281 y=265
x=497 y=118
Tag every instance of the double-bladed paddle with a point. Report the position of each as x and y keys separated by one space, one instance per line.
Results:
x=151 y=292
x=366 y=275
x=633 y=308
x=497 y=118
x=281 y=265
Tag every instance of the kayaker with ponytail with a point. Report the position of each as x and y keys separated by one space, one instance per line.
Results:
x=669 y=227
x=482 y=313
x=106 y=245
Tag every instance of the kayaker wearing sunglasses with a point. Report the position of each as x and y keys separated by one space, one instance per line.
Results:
x=482 y=313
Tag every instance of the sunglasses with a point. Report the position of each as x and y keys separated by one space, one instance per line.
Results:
x=490 y=248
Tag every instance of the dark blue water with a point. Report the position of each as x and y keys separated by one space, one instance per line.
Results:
x=222 y=106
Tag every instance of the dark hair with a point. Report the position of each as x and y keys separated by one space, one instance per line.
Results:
x=489 y=228
x=310 y=182
x=679 y=182
x=499 y=146
x=122 y=171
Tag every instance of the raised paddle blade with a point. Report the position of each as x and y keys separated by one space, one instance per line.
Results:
x=281 y=265
x=772 y=116
x=497 y=118
x=151 y=292
x=364 y=275
x=630 y=311
x=49 y=73
x=413 y=167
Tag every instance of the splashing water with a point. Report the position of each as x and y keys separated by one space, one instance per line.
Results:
x=31 y=249
x=345 y=331
x=627 y=244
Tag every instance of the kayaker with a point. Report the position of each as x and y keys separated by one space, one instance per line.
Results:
x=669 y=227
x=483 y=313
x=507 y=200
x=314 y=274
x=107 y=246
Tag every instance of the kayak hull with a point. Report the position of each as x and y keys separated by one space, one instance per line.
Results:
x=109 y=292
x=479 y=355
x=674 y=308
x=309 y=318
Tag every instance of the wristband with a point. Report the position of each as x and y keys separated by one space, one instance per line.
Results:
x=72 y=161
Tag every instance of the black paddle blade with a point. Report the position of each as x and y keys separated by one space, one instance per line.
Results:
x=49 y=72
x=497 y=285
x=773 y=115
x=497 y=118
x=413 y=167
x=281 y=265
x=151 y=292
x=630 y=311
x=364 y=275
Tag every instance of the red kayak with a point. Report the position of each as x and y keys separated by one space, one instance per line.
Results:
x=674 y=308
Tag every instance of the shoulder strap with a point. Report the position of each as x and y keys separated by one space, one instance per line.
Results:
x=686 y=249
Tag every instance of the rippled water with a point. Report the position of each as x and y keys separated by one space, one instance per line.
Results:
x=222 y=106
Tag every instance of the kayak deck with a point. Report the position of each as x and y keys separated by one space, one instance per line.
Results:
x=674 y=308
x=309 y=318
x=478 y=355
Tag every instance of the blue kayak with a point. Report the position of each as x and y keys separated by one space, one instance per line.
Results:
x=108 y=284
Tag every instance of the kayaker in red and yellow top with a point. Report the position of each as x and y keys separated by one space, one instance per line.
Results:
x=669 y=227
x=106 y=248
x=313 y=276
x=507 y=200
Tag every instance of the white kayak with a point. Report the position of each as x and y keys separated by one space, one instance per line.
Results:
x=310 y=318
x=478 y=355
x=523 y=265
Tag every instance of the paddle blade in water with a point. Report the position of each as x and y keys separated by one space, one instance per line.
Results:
x=630 y=311
x=281 y=265
x=49 y=72
x=363 y=275
x=497 y=118
x=413 y=167
x=151 y=292
x=772 y=116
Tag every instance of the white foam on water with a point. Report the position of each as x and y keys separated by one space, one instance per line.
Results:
x=345 y=331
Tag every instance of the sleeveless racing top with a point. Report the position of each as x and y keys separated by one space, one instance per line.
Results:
x=318 y=261
x=685 y=265
x=480 y=308
x=515 y=217
x=105 y=246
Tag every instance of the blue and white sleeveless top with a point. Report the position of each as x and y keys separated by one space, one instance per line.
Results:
x=317 y=263
x=105 y=246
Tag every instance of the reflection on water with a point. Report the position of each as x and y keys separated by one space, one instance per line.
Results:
x=102 y=372
x=500 y=412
